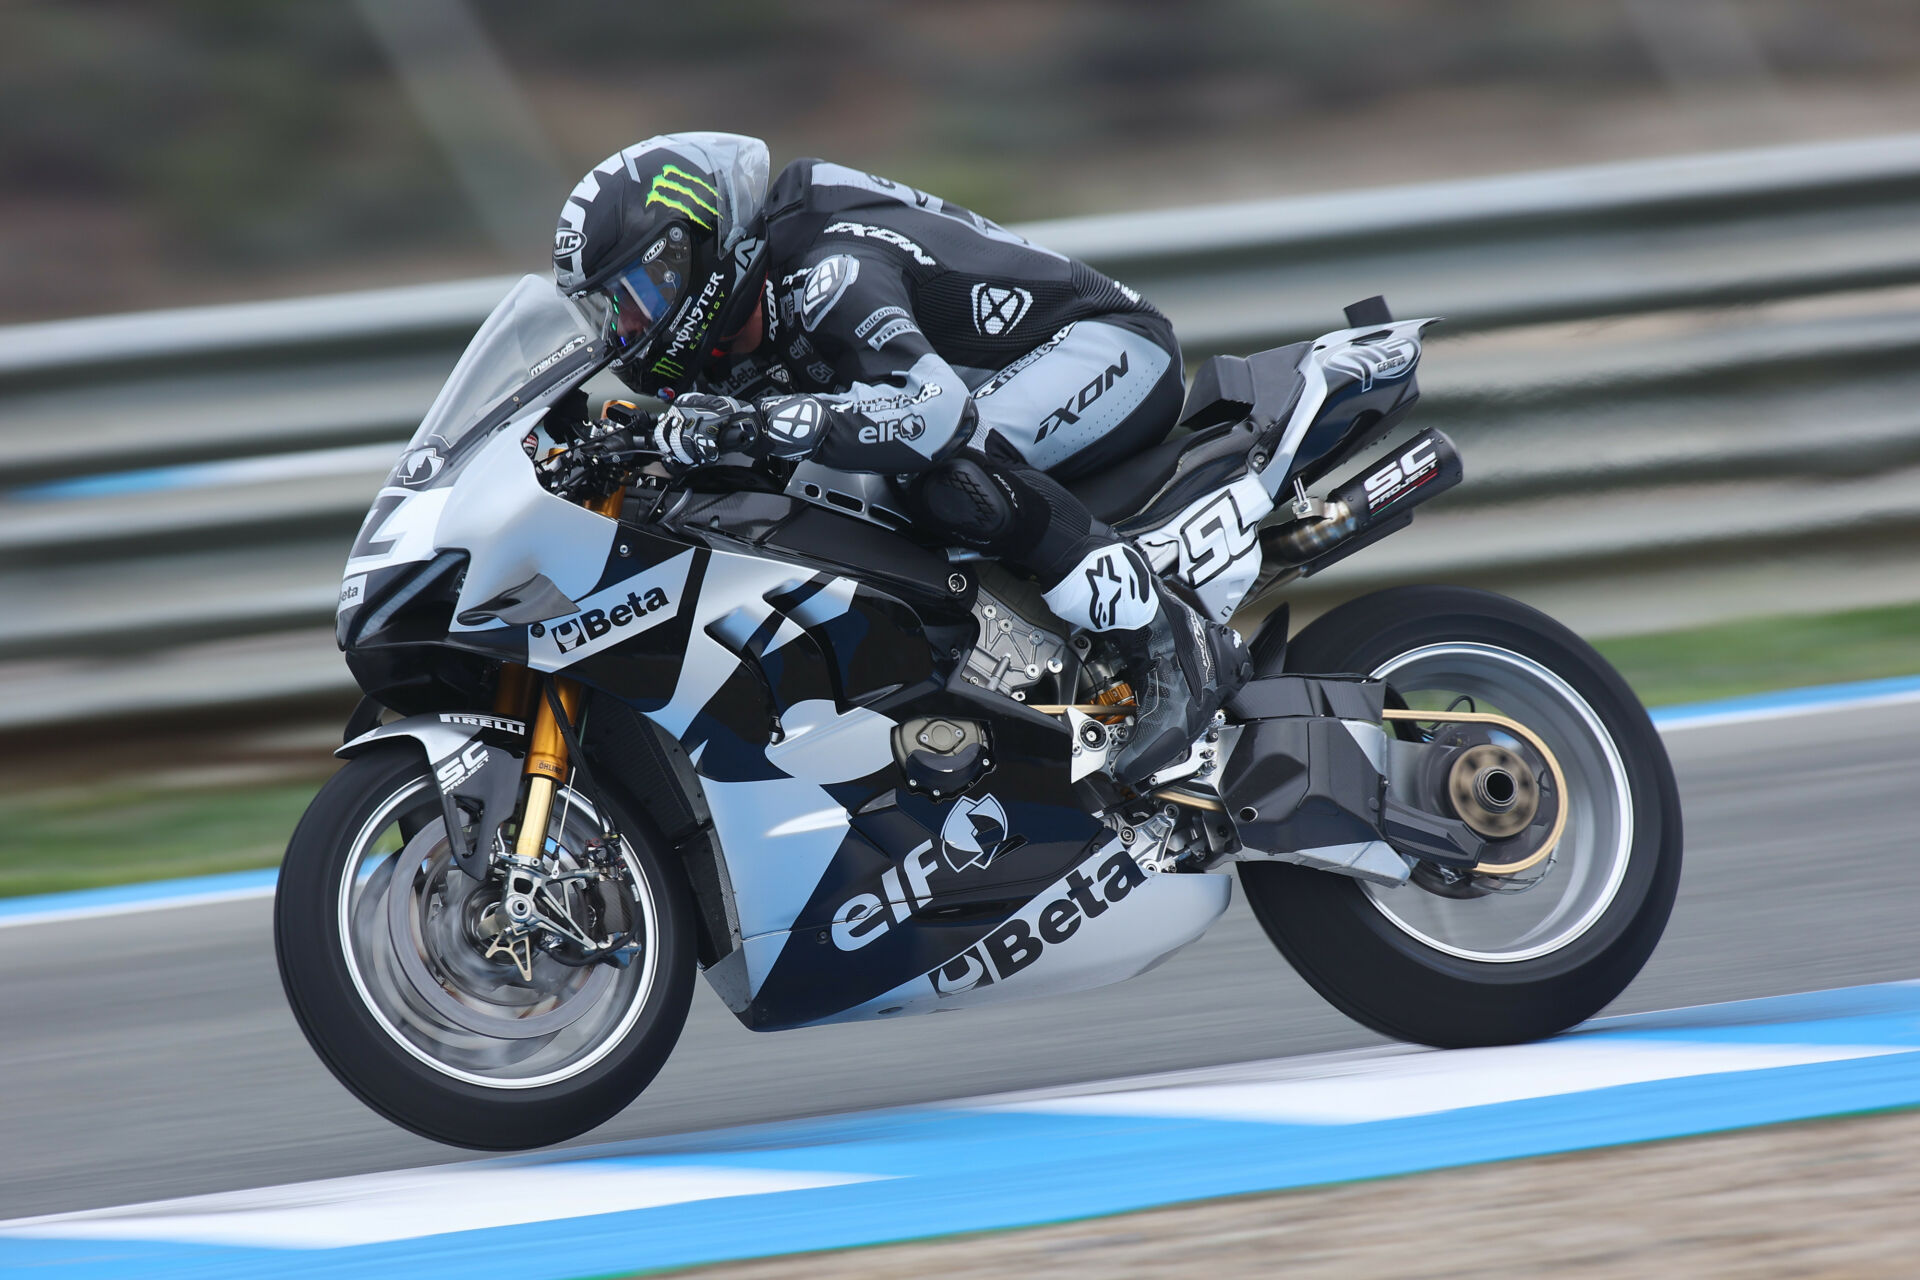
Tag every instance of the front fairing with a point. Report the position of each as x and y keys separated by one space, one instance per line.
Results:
x=466 y=457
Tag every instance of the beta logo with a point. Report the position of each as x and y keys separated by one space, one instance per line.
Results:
x=608 y=617
x=1019 y=943
x=595 y=623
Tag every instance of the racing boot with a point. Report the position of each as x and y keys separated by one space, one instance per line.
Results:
x=1181 y=666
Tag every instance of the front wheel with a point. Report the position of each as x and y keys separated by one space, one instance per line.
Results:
x=383 y=948
x=1503 y=961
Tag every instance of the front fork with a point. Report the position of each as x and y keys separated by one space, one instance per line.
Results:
x=547 y=762
x=521 y=697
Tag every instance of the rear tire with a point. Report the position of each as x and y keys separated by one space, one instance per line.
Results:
x=375 y=1029
x=1393 y=959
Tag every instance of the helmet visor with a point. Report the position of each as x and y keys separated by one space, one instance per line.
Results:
x=642 y=296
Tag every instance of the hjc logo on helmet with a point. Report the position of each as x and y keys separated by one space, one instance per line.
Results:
x=567 y=242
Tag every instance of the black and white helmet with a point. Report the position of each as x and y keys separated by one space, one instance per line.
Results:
x=662 y=243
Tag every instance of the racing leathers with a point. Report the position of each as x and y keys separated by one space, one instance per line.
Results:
x=909 y=337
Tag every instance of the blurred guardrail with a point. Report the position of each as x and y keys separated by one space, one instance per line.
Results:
x=1691 y=375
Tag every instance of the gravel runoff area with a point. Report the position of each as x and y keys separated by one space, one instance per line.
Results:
x=1826 y=1199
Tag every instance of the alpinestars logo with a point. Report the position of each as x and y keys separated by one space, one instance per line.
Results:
x=997 y=309
x=975 y=830
x=1020 y=942
x=688 y=193
x=1118 y=594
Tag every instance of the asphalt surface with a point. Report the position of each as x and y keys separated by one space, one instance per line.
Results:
x=151 y=1055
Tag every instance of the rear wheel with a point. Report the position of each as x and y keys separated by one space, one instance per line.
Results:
x=383 y=948
x=1499 y=960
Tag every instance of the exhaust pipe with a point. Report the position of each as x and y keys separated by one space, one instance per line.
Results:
x=1379 y=501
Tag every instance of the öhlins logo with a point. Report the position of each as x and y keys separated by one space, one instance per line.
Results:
x=595 y=623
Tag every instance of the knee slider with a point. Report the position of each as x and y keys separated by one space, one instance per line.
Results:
x=962 y=496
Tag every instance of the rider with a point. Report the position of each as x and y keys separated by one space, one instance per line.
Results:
x=871 y=327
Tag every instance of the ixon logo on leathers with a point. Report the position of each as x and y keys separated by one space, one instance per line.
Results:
x=610 y=616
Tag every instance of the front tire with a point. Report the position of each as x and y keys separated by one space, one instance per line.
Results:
x=1500 y=967
x=373 y=933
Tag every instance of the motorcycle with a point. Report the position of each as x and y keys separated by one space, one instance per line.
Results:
x=625 y=722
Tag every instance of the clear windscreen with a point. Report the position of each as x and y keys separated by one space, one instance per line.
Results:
x=533 y=328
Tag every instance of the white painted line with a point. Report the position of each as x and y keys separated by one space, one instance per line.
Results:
x=1357 y=1088
x=381 y=1207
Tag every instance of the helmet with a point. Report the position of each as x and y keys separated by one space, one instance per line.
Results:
x=663 y=245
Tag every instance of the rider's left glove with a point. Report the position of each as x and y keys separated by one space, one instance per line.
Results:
x=696 y=429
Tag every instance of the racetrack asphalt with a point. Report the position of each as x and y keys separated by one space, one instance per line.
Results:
x=151 y=1055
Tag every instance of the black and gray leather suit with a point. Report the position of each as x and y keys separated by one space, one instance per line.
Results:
x=938 y=347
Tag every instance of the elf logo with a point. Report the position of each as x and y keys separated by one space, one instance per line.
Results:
x=1018 y=943
x=909 y=428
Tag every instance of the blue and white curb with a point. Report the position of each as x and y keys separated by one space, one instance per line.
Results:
x=121 y=899
x=1856 y=695
x=1023 y=1160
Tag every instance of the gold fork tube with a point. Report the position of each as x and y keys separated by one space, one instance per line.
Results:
x=546 y=768
x=546 y=748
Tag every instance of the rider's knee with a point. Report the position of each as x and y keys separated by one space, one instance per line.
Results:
x=964 y=499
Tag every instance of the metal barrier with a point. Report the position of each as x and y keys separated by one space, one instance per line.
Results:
x=1658 y=371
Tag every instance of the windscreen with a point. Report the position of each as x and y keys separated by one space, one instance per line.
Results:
x=532 y=330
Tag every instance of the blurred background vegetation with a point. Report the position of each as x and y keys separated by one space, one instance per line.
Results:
x=157 y=152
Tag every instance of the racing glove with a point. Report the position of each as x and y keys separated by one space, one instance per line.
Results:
x=697 y=428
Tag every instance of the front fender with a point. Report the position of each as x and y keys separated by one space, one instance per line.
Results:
x=476 y=758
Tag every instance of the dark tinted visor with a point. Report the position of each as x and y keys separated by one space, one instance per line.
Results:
x=645 y=293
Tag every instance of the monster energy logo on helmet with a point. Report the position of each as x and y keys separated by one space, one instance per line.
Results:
x=687 y=193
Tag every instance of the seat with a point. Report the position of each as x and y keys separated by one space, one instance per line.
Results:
x=1228 y=394
x=1155 y=479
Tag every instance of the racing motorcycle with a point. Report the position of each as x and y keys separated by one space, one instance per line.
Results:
x=624 y=722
